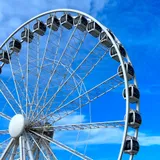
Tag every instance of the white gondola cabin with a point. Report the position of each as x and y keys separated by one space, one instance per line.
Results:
x=81 y=23
x=129 y=71
x=27 y=35
x=40 y=28
x=131 y=146
x=134 y=94
x=135 y=119
x=15 y=45
x=4 y=57
x=114 y=54
x=53 y=23
x=67 y=21
x=105 y=40
x=94 y=29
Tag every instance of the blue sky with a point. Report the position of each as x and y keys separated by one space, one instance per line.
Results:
x=137 y=26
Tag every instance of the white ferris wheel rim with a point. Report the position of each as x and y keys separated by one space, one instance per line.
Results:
x=119 y=55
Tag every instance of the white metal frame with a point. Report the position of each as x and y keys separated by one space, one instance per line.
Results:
x=120 y=58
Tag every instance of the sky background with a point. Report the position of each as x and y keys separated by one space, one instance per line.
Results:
x=137 y=25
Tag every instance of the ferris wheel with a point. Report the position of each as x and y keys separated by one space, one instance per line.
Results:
x=57 y=65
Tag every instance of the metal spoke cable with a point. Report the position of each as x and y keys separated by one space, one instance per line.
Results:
x=63 y=53
x=5 y=116
x=9 y=97
x=38 y=147
x=52 y=98
x=100 y=93
x=14 y=80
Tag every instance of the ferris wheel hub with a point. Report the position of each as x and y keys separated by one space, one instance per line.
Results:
x=17 y=125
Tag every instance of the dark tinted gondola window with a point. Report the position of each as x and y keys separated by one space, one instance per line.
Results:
x=127 y=145
x=138 y=118
x=130 y=91
x=6 y=55
x=11 y=44
x=17 y=44
x=70 y=19
x=42 y=26
x=130 y=118
x=63 y=18
x=23 y=34
x=91 y=26
x=56 y=21
x=84 y=21
x=36 y=26
x=49 y=20
x=113 y=51
x=130 y=70
x=76 y=20
x=122 y=50
x=97 y=27
x=135 y=145
x=136 y=93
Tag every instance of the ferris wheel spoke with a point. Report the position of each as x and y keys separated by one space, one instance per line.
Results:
x=4 y=132
x=64 y=83
x=27 y=72
x=55 y=45
x=61 y=145
x=9 y=97
x=94 y=93
x=28 y=146
x=14 y=150
x=49 y=150
x=5 y=116
x=83 y=78
x=41 y=66
x=64 y=53
x=39 y=147
x=67 y=66
x=91 y=68
x=14 y=79
x=6 y=152
x=22 y=148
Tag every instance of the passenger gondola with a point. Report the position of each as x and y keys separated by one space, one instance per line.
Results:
x=15 y=45
x=105 y=40
x=129 y=71
x=114 y=54
x=4 y=57
x=131 y=146
x=135 y=119
x=94 y=29
x=81 y=23
x=40 y=28
x=67 y=21
x=134 y=94
x=53 y=23
x=27 y=35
